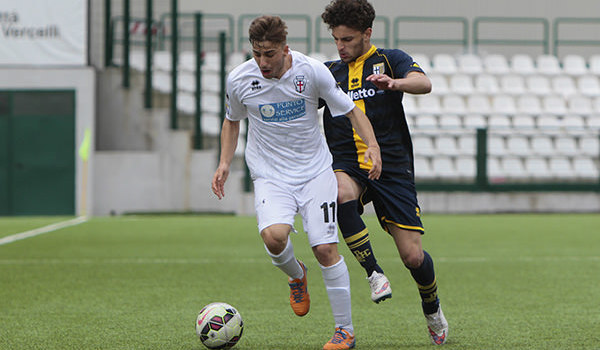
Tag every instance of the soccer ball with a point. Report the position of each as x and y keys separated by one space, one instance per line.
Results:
x=219 y=326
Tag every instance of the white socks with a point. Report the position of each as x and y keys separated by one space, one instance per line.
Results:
x=337 y=283
x=286 y=261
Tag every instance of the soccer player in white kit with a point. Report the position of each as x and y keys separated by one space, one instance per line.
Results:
x=289 y=161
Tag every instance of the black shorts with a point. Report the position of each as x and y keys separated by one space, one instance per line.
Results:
x=394 y=197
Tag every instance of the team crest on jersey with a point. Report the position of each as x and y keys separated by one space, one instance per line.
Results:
x=300 y=83
x=379 y=68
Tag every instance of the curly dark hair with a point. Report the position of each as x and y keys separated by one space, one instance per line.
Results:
x=355 y=14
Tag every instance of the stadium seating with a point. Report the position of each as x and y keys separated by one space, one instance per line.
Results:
x=542 y=113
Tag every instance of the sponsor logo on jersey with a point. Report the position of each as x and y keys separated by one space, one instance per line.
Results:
x=359 y=94
x=300 y=83
x=379 y=68
x=283 y=111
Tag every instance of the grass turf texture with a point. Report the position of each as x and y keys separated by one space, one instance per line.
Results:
x=505 y=281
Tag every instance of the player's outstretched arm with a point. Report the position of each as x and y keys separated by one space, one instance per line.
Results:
x=413 y=83
x=363 y=127
x=229 y=136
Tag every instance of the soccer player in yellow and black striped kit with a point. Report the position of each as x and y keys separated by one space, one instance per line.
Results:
x=376 y=79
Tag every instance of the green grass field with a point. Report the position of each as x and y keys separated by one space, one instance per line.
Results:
x=137 y=282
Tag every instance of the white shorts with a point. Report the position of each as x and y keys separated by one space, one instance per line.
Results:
x=277 y=203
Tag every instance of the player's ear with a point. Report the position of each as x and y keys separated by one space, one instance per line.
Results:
x=367 y=33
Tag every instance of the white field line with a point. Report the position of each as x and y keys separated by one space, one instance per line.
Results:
x=42 y=230
x=202 y=261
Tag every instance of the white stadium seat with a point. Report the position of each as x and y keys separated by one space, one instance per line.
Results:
x=537 y=168
x=561 y=167
x=529 y=104
x=470 y=64
x=443 y=167
x=486 y=84
x=564 y=85
x=429 y=103
x=566 y=145
x=594 y=62
x=538 y=85
x=478 y=104
x=580 y=105
x=474 y=121
x=554 y=105
x=423 y=168
x=496 y=145
x=423 y=145
x=588 y=85
x=513 y=167
x=453 y=104
x=444 y=63
x=585 y=168
x=542 y=145
x=522 y=64
x=518 y=145
x=425 y=122
x=512 y=84
x=446 y=145
x=467 y=144
x=574 y=65
x=450 y=122
x=504 y=104
x=496 y=64
x=439 y=84
x=589 y=145
x=461 y=84
x=548 y=64
x=465 y=167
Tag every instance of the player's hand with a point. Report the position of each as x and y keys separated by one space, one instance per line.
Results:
x=374 y=155
x=218 y=181
x=382 y=81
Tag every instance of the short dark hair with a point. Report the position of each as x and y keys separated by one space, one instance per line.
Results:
x=267 y=28
x=355 y=14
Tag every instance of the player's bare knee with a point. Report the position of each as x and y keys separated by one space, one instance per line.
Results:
x=326 y=254
x=274 y=240
x=413 y=259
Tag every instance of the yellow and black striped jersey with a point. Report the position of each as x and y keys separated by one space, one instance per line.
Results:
x=383 y=107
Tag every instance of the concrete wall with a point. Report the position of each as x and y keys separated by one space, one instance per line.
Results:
x=171 y=179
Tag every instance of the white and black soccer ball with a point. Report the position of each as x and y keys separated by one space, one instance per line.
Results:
x=219 y=326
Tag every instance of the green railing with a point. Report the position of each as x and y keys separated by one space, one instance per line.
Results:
x=561 y=21
x=461 y=40
x=517 y=39
x=375 y=39
x=290 y=19
x=217 y=22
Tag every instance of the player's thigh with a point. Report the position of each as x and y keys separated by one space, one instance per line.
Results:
x=348 y=188
x=274 y=204
x=408 y=243
x=318 y=208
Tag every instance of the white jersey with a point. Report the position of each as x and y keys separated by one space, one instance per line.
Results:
x=285 y=142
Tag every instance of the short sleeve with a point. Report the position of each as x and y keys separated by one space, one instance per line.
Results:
x=338 y=102
x=403 y=63
x=234 y=108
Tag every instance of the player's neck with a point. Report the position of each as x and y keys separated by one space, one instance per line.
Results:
x=287 y=65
